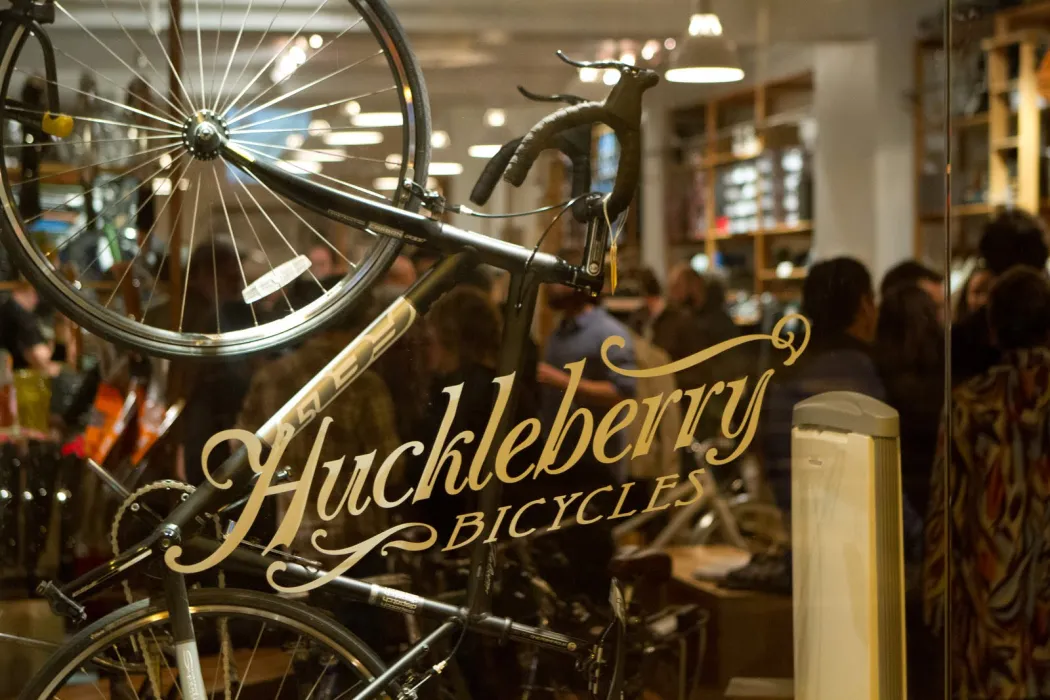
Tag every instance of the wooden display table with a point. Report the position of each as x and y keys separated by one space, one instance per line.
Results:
x=749 y=634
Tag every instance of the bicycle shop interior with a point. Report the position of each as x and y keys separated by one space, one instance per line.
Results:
x=794 y=448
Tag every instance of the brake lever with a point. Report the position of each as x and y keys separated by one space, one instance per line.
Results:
x=616 y=65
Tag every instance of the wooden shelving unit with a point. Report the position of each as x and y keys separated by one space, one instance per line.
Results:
x=772 y=111
x=998 y=145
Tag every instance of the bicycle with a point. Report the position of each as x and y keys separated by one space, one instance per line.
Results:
x=199 y=132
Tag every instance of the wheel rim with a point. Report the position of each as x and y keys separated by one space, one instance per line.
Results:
x=249 y=211
x=147 y=626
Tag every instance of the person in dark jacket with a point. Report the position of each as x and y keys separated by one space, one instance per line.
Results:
x=1012 y=238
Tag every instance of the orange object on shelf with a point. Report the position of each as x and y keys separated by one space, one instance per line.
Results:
x=109 y=419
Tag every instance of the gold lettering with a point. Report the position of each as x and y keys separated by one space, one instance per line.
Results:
x=333 y=469
x=293 y=517
x=477 y=521
x=624 y=490
x=511 y=447
x=748 y=424
x=560 y=428
x=506 y=386
x=495 y=526
x=513 y=529
x=563 y=503
x=430 y=471
x=379 y=488
x=609 y=426
x=662 y=484
x=455 y=461
x=652 y=421
x=694 y=479
x=253 y=450
x=586 y=502
x=698 y=399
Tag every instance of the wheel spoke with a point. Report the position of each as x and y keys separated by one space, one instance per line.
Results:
x=125 y=107
x=188 y=107
x=307 y=110
x=87 y=227
x=303 y=221
x=254 y=51
x=237 y=254
x=341 y=157
x=200 y=54
x=274 y=57
x=215 y=56
x=120 y=87
x=87 y=192
x=145 y=240
x=248 y=668
x=262 y=248
x=293 y=93
x=291 y=660
x=126 y=674
x=164 y=658
x=178 y=110
x=103 y=44
x=174 y=26
x=95 y=120
x=46 y=144
x=189 y=258
x=93 y=165
x=292 y=164
x=287 y=77
x=229 y=64
x=276 y=228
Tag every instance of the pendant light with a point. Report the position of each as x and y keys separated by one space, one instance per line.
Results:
x=704 y=55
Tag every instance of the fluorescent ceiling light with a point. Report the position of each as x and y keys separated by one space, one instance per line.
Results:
x=393 y=161
x=352 y=107
x=353 y=138
x=484 y=151
x=294 y=141
x=318 y=127
x=611 y=76
x=445 y=169
x=377 y=119
x=588 y=75
x=700 y=74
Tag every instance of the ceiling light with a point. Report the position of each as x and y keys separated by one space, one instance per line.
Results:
x=376 y=120
x=299 y=167
x=611 y=76
x=650 y=49
x=589 y=75
x=393 y=161
x=495 y=118
x=165 y=160
x=297 y=55
x=440 y=139
x=628 y=58
x=353 y=138
x=704 y=55
x=445 y=169
x=352 y=107
x=483 y=151
x=318 y=127
x=670 y=44
x=295 y=141
x=316 y=41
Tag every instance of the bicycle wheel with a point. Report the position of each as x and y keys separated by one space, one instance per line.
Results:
x=271 y=643
x=129 y=228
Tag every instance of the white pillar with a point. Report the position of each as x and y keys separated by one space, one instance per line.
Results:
x=652 y=196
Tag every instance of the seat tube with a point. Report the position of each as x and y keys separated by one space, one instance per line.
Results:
x=187 y=657
x=517 y=325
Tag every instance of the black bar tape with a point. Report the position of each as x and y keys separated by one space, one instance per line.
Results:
x=493 y=173
x=542 y=137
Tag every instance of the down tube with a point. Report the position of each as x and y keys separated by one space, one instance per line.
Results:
x=518 y=313
x=327 y=384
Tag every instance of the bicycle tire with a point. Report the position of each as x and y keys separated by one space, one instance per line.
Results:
x=127 y=332
x=82 y=647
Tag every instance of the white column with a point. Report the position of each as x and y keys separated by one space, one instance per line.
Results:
x=653 y=234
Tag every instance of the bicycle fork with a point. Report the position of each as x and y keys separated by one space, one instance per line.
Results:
x=187 y=656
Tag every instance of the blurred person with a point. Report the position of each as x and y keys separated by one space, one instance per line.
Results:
x=21 y=334
x=997 y=476
x=1012 y=238
x=974 y=294
x=910 y=357
x=909 y=352
x=839 y=301
x=583 y=328
x=402 y=274
x=914 y=273
x=685 y=286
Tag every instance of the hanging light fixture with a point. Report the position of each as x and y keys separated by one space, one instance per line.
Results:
x=704 y=55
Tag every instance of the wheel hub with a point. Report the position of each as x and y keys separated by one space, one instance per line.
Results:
x=204 y=133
